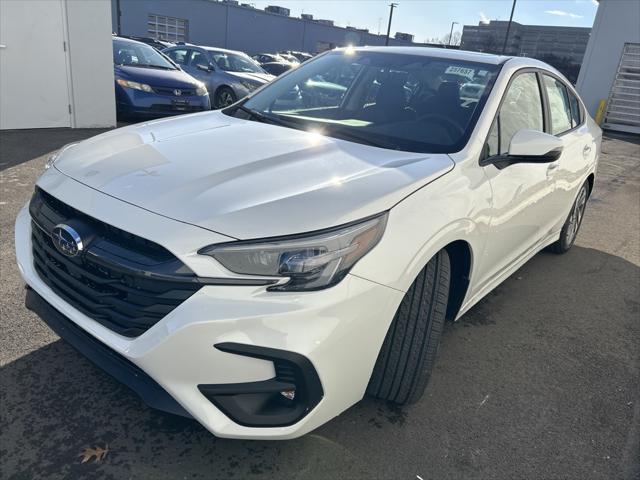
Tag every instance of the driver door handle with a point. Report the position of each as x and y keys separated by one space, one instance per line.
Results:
x=586 y=150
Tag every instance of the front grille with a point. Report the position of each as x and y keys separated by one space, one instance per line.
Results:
x=184 y=92
x=120 y=280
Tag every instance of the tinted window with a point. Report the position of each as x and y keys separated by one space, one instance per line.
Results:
x=521 y=109
x=576 y=114
x=559 y=108
x=396 y=101
x=179 y=56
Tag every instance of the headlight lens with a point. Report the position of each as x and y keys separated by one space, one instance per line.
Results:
x=135 y=85
x=249 y=85
x=311 y=262
x=53 y=158
x=201 y=90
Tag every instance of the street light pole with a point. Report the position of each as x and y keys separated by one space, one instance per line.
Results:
x=392 y=5
x=451 y=32
x=506 y=37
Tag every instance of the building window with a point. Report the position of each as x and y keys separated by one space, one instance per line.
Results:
x=168 y=28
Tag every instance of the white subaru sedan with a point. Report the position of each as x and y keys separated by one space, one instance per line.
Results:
x=262 y=268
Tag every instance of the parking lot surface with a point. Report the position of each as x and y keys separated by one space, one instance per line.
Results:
x=540 y=380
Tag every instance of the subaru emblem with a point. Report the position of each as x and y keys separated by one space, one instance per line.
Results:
x=177 y=92
x=66 y=240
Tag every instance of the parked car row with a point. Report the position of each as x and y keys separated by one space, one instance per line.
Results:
x=157 y=78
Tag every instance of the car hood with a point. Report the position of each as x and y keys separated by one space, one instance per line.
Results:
x=246 y=179
x=260 y=78
x=155 y=76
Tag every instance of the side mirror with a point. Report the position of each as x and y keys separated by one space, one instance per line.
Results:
x=205 y=68
x=528 y=146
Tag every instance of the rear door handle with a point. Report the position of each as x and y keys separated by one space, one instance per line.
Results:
x=552 y=166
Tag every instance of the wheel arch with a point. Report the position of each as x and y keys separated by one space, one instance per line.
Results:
x=460 y=259
x=591 y=180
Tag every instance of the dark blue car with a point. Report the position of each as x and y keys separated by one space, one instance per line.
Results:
x=148 y=84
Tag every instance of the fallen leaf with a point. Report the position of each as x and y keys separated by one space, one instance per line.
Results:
x=98 y=452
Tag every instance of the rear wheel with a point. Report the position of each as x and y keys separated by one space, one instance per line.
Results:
x=224 y=97
x=572 y=224
x=409 y=350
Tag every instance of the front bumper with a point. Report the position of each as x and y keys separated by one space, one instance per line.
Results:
x=147 y=104
x=339 y=330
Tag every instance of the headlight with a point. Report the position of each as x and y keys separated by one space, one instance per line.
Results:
x=53 y=158
x=249 y=85
x=201 y=90
x=135 y=85
x=311 y=261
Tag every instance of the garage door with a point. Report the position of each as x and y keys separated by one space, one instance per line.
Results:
x=623 y=107
x=34 y=90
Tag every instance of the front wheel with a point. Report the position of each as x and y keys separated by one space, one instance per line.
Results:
x=224 y=97
x=409 y=350
x=572 y=224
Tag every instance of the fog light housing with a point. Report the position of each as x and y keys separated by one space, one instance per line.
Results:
x=278 y=402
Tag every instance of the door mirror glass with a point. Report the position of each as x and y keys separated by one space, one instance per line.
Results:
x=528 y=146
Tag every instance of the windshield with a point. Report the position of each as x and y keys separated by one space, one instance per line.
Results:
x=139 y=55
x=402 y=102
x=231 y=62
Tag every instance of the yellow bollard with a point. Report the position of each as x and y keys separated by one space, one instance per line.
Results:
x=600 y=112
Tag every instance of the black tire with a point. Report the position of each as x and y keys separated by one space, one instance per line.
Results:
x=409 y=350
x=572 y=224
x=224 y=97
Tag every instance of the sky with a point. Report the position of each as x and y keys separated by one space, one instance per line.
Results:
x=432 y=18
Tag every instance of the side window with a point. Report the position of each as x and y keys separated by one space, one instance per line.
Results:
x=198 y=58
x=179 y=56
x=493 y=141
x=576 y=114
x=559 y=107
x=521 y=109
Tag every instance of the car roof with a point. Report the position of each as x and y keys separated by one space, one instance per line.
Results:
x=129 y=40
x=453 y=54
x=222 y=50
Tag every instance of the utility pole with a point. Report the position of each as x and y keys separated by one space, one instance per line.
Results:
x=506 y=37
x=451 y=32
x=392 y=5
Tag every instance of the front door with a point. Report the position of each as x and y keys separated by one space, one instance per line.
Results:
x=523 y=209
x=34 y=90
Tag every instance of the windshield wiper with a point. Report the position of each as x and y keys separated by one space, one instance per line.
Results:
x=261 y=117
x=342 y=134
x=146 y=65
x=355 y=137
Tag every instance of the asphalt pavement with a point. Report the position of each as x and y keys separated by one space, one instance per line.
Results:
x=541 y=380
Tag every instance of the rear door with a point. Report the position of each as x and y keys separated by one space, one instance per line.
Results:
x=566 y=120
x=34 y=89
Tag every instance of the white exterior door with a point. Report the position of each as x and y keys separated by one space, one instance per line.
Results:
x=34 y=86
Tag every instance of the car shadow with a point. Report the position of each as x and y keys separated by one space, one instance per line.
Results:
x=20 y=146
x=543 y=364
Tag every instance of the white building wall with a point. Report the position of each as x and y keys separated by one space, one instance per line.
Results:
x=617 y=22
x=56 y=64
x=91 y=63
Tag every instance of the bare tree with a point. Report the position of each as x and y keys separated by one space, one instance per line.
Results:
x=455 y=40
